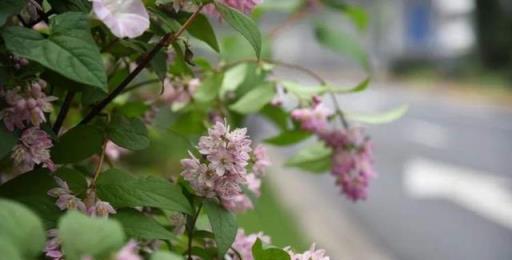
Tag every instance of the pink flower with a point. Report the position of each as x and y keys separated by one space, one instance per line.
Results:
x=179 y=92
x=52 y=249
x=311 y=254
x=243 y=244
x=239 y=203
x=65 y=198
x=28 y=107
x=101 y=209
x=244 y=6
x=114 y=151
x=223 y=171
x=129 y=252
x=314 y=119
x=261 y=162
x=126 y=18
x=32 y=149
x=352 y=162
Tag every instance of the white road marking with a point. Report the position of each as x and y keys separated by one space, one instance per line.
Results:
x=483 y=193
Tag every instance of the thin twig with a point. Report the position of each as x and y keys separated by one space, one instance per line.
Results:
x=191 y=231
x=99 y=166
x=63 y=111
x=167 y=39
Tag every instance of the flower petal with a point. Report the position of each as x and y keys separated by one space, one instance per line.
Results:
x=124 y=18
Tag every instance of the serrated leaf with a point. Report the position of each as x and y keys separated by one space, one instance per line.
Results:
x=130 y=133
x=315 y=158
x=86 y=236
x=223 y=225
x=379 y=118
x=341 y=43
x=243 y=24
x=9 y=8
x=271 y=253
x=288 y=137
x=139 y=226
x=77 y=144
x=255 y=99
x=7 y=141
x=124 y=190
x=19 y=226
x=69 y=49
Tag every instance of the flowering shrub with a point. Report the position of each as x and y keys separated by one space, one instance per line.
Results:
x=96 y=96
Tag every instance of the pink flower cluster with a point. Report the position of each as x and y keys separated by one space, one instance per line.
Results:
x=52 y=249
x=180 y=92
x=67 y=200
x=242 y=202
x=311 y=254
x=243 y=245
x=245 y=6
x=33 y=148
x=222 y=171
x=27 y=107
x=129 y=252
x=352 y=159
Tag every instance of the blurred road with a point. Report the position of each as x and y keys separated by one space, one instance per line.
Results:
x=444 y=190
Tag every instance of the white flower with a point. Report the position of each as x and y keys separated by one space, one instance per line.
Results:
x=125 y=18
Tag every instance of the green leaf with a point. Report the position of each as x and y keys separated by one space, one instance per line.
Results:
x=69 y=49
x=243 y=24
x=77 y=144
x=209 y=88
x=202 y=30
x=9 y=251
x=36 y=198
x=8 y=141
x=233 y=78
x=9 y=8
x=130 y=133
x=124 y=190
x=255 y=99
x=380 y=118
x=277 y=115
x=159 y=64
x=61 y=6
x=358 y=16
x=22 y=229
x=140 y=226
x=316 y=158
x=86 y=236
x=359 y=88
x=164 y=255
x=288 y=137
x=223 y=225
x=341 y=43
x=272 y=253
x=305 y=93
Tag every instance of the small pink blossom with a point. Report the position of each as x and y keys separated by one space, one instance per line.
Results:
x=261 y=162
x=243 y=244
x=26 y=107
x=129 y=252
x=124 y=18
x=65 y=197
x=101 y=209
x=114 y=151
x=32 y=149
x=314 y=119
x=52 y=249
x=179 y=92
x=311 y=254
x=245 y=6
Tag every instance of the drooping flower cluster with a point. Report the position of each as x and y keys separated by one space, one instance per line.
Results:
x=33 y=148
x=243 y=245
x=311 y=254
x=222 y=171
x=245 y=6
x=129 y=252
x=27 y=107
x=67 y=200
x=352 y=157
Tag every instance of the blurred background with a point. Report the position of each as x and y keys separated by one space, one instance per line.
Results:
x=444 y=187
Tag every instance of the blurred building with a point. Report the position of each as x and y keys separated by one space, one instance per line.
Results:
x=419 y=30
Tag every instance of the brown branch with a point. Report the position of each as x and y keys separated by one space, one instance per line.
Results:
x=167 y=39
x=63 y=111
